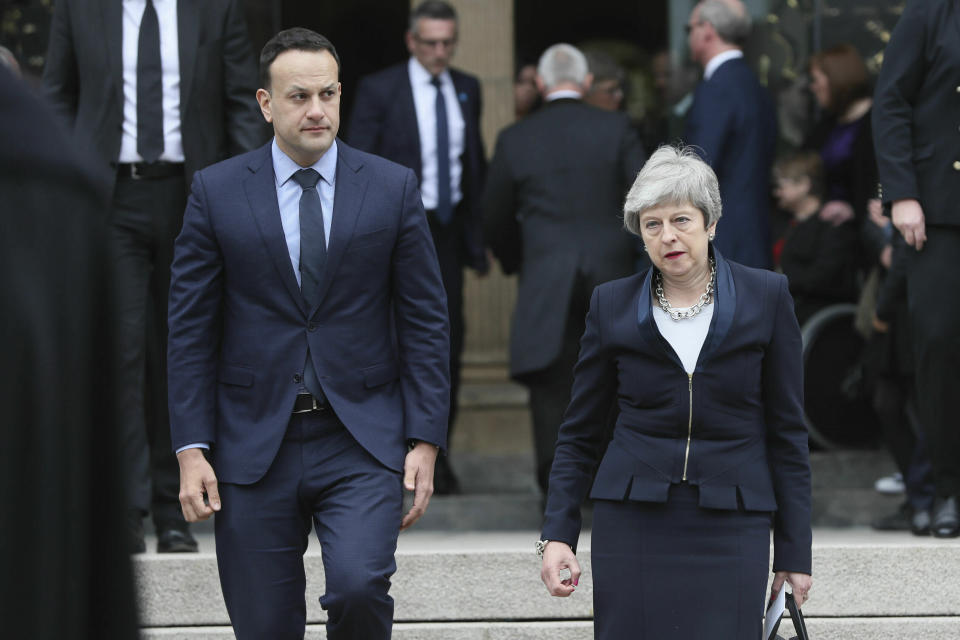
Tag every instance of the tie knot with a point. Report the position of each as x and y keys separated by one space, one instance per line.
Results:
x=435 y=81
x=307 y=178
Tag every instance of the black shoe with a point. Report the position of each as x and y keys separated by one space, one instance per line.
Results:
x=175 y=539
x=445 y=482
x=135 y=543
x=900 y=520
x=946 y=518
x=920 y=522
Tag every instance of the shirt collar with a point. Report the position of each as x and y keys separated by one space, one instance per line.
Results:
x=284 y=167
x=718 y=60
x=563 y=93
x=420 y=76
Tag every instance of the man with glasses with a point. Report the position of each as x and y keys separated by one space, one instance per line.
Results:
x=426 y=116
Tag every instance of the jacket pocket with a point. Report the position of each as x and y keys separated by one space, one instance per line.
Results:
x=380 y=374
x=235 y=375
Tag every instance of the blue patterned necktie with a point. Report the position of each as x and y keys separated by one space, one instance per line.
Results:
x=444 y=204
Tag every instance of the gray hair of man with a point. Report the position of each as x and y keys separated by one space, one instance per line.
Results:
x=731 y=21
x=562 y=63
x=673 y=176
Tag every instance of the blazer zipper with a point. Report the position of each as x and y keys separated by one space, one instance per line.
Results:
x=686 y=455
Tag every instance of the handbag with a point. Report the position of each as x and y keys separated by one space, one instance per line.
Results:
x=797 y=617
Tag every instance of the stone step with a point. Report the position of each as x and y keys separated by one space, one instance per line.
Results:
x=927 y=628
x=494 y=576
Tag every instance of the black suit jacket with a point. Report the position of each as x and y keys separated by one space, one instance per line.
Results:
x=384 y=122
x=553 y=209
x=219 y=114
x=916 y=111
x=742 y=410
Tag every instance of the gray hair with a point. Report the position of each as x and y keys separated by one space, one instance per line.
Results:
x=731 y=25
x=673 y=175
x=433 y=10
x=562 y=63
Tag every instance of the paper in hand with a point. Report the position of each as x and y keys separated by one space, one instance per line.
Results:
x=771 y=621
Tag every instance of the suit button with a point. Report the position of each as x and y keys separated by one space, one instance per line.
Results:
x=297 y=378
x=311 y=327
x=956 y=165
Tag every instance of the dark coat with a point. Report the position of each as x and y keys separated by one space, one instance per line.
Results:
x=239 y=327
x=384 y=122
x=553 y=211
x=219 y=115
x=734 y=428
x=916 y=111
x=733 y=123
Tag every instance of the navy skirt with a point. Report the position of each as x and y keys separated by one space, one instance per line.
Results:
x=677 y=570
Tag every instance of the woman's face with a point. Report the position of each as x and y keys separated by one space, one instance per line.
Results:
x=676 y=240
x=820 y=86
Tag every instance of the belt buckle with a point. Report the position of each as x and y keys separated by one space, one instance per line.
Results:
x=134 y=172
x=314 y=406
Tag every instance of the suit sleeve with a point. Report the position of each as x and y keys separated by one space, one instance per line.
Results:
x=787 y=449
x=501 y=229
x=709 y=122
x=898 y=85
x=194 y=318
x=366 y=118
x=582 y=434
x=245 y=126
x=422 y=324
x=632 y=157
x=60 y=75
x=474 y=233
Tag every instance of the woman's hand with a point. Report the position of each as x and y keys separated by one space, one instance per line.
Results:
x=558 y=556
x=800 y=582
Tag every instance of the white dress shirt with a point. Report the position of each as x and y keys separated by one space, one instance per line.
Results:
x=288 y=198
x=425 y=102
x=170 y=62
x=718 y=60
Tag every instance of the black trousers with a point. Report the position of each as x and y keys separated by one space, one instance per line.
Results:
x=144 y=222
x=933 y=292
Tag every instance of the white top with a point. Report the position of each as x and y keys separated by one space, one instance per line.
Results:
x=718 y=60
x=169 y=61
x=425 y=102
x=685 y=336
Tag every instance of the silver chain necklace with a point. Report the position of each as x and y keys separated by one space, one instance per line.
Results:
x=681 y=314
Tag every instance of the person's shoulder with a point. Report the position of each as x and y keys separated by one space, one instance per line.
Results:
x=385 y=77
x=617 y=289
x=379 y=166
x=237 y=165
x=463 y=77
x=754 y=278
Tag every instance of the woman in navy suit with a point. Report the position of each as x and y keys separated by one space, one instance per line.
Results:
x=709 y=450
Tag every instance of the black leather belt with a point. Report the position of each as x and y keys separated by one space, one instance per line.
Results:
x=305 y=403
x=149 y=170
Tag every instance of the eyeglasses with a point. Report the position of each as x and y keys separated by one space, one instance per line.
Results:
x=433 y=44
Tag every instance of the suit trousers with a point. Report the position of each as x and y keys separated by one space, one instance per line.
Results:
x=933 y=285
x=320 y=474
x=144 y=222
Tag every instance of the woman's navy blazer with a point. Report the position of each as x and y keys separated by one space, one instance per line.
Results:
x=734 y=428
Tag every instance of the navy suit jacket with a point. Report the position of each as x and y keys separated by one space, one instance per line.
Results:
x=239 y=327
x=733 y=122
x=384 y=122
x=742 y=410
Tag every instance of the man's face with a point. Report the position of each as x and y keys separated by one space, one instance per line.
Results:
x=433 y=43
x=303 y=103
x=695 y=36
x=606 y=94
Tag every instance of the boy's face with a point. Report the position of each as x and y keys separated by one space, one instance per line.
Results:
x=791 y=191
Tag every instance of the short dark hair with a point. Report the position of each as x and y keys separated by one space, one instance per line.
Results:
x=295 y=39
x=802 y=164
x=846 y=73
x=433 y=9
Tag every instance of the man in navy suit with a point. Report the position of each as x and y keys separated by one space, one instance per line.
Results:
x=308 y=355
x=406 y=113
x=733 y=123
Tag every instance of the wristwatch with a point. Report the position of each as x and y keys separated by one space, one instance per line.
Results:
x=541 y=545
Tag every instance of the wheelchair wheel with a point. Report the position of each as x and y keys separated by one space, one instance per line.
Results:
x=836 y=408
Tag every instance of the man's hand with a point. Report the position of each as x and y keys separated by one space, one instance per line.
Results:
x=908 y=219
x=197 y=478
x=800 y=582
x=836 y=212
x=558 y=556
x=418 y=477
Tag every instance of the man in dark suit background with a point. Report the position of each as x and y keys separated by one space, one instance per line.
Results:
x=160 y=88
x=733 y=123
x=916 y=114
x=66 y=572
x=407 y=113
x=551 y=211
x=309 y=349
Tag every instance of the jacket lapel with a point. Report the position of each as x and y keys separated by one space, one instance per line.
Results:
x=408 y=115
x=347 y=199
x=261 y=190
x=188 y=25
x=725 y=306
x=112 y=15
x=645 y=322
